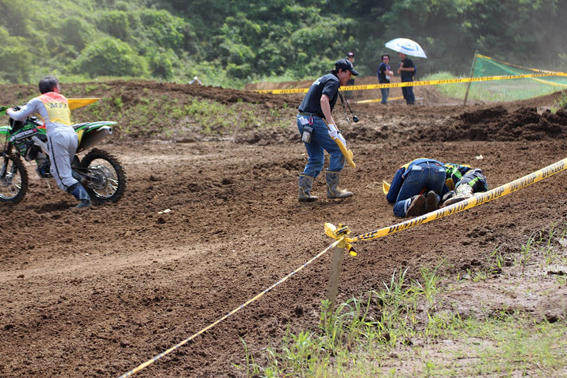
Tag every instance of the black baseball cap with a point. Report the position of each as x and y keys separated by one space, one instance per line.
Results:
x=345 y=64
x=350 y=54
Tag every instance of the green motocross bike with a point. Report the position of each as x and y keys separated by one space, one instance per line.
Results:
x=101 y=173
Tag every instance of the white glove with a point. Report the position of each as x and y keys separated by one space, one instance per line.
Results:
x=333 y=132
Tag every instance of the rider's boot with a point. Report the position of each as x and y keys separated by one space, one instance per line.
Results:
x=462 y=193
x=80 y=194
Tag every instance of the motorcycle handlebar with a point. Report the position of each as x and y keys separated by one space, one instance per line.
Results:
x=4 y=108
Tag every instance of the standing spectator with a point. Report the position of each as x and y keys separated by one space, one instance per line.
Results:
x=196 y=81
x=384 y=74
x=417 y=187
x=407 y=71
x=318 y=132
x=53 y=108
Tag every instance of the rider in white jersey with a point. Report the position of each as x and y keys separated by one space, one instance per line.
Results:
x=53 y=109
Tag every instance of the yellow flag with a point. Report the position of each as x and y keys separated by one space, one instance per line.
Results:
x=385 y=187
x=75 y=103
x=347 y=153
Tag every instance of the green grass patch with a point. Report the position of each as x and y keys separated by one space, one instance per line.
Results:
x=561 y=103
x=412 y=328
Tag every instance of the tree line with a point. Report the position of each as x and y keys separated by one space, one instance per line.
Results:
x=233 y=42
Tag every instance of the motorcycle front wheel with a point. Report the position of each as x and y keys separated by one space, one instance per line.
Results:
x=13 y=179
x=105 y=179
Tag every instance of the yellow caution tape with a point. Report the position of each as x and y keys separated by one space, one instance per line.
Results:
x=75 y=103
x=377 y=100
x=476 y=200
x=421 y=83
x=339 y=234
x=283 y=91
x=257 y=297
x=347 y=153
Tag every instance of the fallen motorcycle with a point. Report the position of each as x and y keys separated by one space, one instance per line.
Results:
x=101 y=173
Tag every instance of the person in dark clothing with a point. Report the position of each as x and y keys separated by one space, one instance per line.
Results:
x=407 y=71
x=463 y=181
x=318 y=130
x=384 y=73
x=417 y=187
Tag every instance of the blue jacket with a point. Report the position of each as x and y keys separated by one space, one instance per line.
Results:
x=401 y=174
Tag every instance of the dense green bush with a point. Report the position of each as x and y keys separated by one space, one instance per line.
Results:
x=111 y=57
x=76 y=32
x=115 y=24
x=15 y=58
x=162 y=63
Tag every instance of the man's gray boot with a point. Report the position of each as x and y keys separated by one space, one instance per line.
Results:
x=333 y=191
x=305 y=185
x=80 y=194
x=462 y=193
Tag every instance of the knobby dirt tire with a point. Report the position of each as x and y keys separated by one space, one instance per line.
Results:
x=115 y=187
x=21 y=187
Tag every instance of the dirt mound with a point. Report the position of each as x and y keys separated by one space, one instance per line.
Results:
x=499 y=124
x=224 y=95
x=206 y=226
x=131 y=90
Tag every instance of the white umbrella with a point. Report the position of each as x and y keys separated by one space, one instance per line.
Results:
x=406 y=46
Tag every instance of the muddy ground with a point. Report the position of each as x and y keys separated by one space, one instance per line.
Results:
x=95 y=293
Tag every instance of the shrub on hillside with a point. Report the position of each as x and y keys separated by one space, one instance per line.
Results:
x=111 y=57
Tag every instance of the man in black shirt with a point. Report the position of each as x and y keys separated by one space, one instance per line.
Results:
x=318 y=130
x=406 y=71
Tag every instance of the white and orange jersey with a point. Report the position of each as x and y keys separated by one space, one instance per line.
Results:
x=52 y=108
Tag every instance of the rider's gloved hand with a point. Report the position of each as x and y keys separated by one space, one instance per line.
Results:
x=13 y=109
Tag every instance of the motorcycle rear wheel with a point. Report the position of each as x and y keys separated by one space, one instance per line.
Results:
x=13 y=179
x=106 y=179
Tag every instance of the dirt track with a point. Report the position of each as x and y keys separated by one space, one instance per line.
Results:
x=96 y=293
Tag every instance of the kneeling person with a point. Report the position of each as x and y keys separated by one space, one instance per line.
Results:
x=417 y=187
